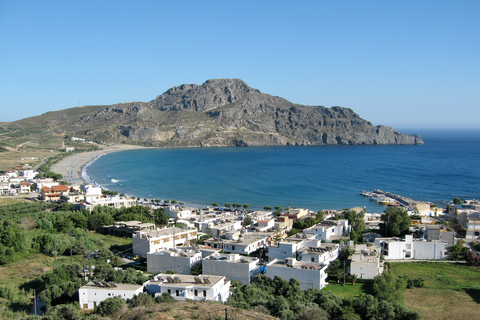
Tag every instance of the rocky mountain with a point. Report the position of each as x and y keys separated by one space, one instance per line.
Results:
x=220 y=112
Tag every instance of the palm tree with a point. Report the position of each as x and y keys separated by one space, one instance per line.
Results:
x=353 y=278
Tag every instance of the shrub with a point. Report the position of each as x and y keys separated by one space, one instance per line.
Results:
x=110 y=306
x=164 y=297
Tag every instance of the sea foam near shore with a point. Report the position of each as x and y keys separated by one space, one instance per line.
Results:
x=84 y=174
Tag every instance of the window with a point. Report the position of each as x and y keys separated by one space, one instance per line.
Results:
x=204 y=293
x=313 y=259
x=169 y=291
x=177 y=293
x=196 y=292
x=233 y=247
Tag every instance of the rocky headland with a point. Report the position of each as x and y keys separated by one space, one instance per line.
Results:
x=220 y=112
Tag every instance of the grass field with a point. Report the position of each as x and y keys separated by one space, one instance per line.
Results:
x=5 y=200
x=19 y=274
x=346 y=291
x=451 y=291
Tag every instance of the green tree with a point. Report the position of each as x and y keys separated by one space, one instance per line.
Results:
x=457 y=200
x=164 y=297
x=214 y=204
x=227 y=204
x=396 y=222
x=161 y=217
x=110 y=307
x=246 y=206
x=267 y=208
x=196 y=269
x=247 y=221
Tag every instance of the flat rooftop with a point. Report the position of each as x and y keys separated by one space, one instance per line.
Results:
x=103 y=285
x=297 y=265
x=182 y=280
x=167 y=231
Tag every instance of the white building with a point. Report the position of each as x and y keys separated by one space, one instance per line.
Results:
x=183 y=287
x=177 y=212
x=329 y=230
x=153 y=241
x=231 y=266
x=24 y=187
x=473 y=228
x=265 y=225
x=246 y=242
x=286 y=249
x=116 y=202
x=5 y=189
x=27 y=174
x=223 y=226
x=311 y=275
x=409 y=248
x=179 y=260
x=365 y=261
x=91 y=294
x=47 y=182
x=323 y=253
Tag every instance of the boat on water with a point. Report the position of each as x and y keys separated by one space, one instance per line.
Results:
x=385 y=200
x=394 y=204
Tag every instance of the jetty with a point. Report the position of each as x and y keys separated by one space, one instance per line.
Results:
x=404 y=201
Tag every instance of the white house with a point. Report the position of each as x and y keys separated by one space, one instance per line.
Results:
x=91 y=294
x=246 y=242
x=311 y=275
x=177 y=212
x=323 y=253
x=365 y=261
x=231 y=266
x=265 y=225
x=473 y=228
x=329 y=230
x=24 y=187
x=409 y=248
x=5 y=188
x=220 y=227
x=47 y=182
x=116 y=202
x=27 y=174
x=153 y=241
x=183 y=287
x=286 y=249
x=179 y=260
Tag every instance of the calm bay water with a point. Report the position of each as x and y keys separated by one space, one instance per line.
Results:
x=313 y=177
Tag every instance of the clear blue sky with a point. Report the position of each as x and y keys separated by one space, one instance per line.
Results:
x=406 y=64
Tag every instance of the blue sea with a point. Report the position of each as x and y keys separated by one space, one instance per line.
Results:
x=313 y=177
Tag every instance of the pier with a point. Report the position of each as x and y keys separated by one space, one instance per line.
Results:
x=404 y=201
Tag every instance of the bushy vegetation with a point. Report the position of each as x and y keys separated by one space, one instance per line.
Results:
x=285 y=299
x=51 y=229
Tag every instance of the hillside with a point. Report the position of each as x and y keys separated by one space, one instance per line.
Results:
x=220 y=112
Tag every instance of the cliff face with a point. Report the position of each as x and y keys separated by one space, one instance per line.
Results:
x=220 y=112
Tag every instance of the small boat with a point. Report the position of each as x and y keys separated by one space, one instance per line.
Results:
x=385 y=200
x=394 y=204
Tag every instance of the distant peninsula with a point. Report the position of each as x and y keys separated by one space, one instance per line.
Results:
x=220 y=112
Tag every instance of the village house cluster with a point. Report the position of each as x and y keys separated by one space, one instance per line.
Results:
x=236 y=251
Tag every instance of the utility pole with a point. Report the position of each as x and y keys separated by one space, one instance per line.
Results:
x=344 y=273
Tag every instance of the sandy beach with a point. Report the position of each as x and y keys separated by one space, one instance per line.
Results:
x=71 y=167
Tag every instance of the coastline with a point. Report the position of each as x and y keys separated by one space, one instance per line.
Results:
x=72 y=167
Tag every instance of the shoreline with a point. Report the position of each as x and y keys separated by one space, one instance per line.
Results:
x=72 y=167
